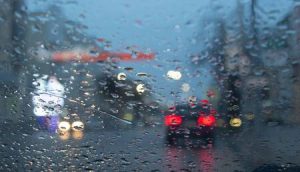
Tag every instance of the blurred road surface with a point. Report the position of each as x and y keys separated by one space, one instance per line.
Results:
x=144 y=149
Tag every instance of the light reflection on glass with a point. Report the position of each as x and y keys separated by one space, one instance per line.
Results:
x=77 y=135
x=64 y=135
x=198 y=156
x=206 y=159
x=173 y=159
x=48 y=102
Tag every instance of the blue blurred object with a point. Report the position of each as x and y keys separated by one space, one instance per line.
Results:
x=49 y=123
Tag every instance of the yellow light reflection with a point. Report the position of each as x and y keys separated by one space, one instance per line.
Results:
x=128 y=117
x=64 y=135
x=235 y=122
x=78 y=135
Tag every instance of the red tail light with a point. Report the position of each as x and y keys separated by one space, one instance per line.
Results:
x=204 y=102
x=173 y=120
x=207 y=121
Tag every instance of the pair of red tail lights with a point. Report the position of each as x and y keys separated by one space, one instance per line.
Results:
x=203 y=120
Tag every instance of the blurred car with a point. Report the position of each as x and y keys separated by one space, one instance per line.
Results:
x=127 y=96
x=70 y=122
x=192 y=120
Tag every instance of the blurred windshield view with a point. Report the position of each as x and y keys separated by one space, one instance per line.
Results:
x=211 y=85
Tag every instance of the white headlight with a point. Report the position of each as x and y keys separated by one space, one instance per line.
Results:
x=121 y=76
x=140 y=88
x=64 y=126
x=176 y=75
x=77 y=126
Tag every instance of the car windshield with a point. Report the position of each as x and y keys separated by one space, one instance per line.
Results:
x=108 y=85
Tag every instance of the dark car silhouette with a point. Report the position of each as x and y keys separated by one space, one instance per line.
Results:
x=192 y=120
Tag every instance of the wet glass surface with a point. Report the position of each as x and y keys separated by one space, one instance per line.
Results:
x=100 y=85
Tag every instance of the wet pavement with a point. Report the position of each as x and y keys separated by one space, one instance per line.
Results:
x=145 y=149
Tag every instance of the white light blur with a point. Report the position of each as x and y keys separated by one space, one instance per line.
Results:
x=55 y=87
x=77 y=126
x=121 y=76
x=64 y=126
x=140 y=88
x=175 y=75
x=48 y=94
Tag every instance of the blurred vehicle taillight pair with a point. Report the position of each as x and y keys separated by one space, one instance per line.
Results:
x=203 y=120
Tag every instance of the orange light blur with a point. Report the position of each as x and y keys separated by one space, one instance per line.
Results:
x=78 y=135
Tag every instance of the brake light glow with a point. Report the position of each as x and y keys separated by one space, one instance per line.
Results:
x=204 y=102
x=208 y=120
x=173 y=120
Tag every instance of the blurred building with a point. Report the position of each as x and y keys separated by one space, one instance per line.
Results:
x=10 y=61
x=257 y=62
